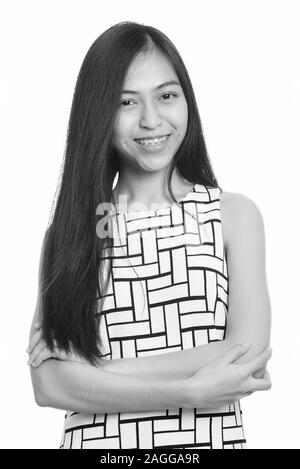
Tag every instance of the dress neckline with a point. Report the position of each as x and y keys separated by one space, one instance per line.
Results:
x=156 y=210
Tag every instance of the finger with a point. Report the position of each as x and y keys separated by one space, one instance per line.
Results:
x=40 y=346
x=42 y=356
x=34 y=340
x=37 y=340
x=259 y=361
x=259 y=373
x=34 y=354
x=263 y=384
x=235 y=352
x=267 y=375
x=38 y=325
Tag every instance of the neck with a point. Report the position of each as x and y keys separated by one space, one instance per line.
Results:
x=149 y=188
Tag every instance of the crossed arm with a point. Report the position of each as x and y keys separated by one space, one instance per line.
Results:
x=249 y=317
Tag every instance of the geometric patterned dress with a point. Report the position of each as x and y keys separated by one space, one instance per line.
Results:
x=168 y=292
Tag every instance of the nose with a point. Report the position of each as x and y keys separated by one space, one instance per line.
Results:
x=150 y=116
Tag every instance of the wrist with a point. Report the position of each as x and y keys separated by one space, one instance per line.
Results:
x=194 y=394
x=186 y=394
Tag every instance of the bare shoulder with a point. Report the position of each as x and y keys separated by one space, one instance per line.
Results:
x=234 y=201
x=239 y=213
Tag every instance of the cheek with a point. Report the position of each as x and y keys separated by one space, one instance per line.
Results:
x=126 y=142
x=121 y=137
x=184 y=114
x=126 y=121
x=180 y=117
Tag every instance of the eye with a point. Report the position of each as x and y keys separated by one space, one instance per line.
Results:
x=125 y=101
x=169 y=94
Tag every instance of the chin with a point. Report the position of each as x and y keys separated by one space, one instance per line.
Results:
x=156 y=163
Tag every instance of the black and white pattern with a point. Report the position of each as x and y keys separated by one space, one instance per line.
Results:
x=168 y=292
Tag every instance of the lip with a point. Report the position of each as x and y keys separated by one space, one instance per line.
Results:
x=153 y=136
x=156 y=148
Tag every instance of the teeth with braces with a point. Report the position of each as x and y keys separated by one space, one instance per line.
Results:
x=154 y=141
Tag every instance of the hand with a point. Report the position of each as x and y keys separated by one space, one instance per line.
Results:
x=222 y=382
x=39 y=352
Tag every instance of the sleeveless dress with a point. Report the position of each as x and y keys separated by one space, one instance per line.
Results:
x=169 y=292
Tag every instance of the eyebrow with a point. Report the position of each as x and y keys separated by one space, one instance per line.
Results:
x=167 y=83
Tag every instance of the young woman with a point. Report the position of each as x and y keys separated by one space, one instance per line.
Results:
x=136 y=287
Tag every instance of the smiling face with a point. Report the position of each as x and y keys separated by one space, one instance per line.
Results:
x=152 y=104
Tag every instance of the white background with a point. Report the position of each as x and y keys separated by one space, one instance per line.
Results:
x=243 y=60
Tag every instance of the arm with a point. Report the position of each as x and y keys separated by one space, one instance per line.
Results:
x=49 y=381
x=249 y=313
x=171 y=365
x=249 y=310
x=87 y=389
x=84 y=388
x=35 y=377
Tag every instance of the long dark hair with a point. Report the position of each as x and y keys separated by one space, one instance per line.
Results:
x=70 y=280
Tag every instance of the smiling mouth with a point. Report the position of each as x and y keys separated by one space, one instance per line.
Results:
x=152 y=142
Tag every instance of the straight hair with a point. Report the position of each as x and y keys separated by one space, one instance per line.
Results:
x=73 y=283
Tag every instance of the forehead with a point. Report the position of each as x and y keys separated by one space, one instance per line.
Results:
x=149 y=70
